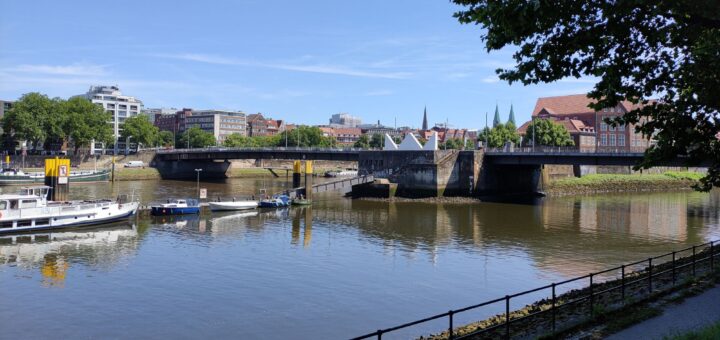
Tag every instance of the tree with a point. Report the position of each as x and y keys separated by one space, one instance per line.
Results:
x=140 y=130
x=198 y=138
x=499 y=135
x=636 y=49
x=376 y=141
x=363 y=142
x=25 y=120
x=548 y=134
x=237 y=140
x=85 y=122
x=305 y=136
x=166 y=138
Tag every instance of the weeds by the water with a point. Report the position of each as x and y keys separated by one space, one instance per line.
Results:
x=709 y=332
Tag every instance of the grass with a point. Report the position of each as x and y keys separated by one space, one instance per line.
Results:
x=670 y=180
x=132 y=174
x=708 y=332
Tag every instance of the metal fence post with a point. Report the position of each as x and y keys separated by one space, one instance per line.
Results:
x=673 y=268
x=554 y=311
x=592 y=296
x=379 y=333
x=712 y=257
x=450 y=327
x=693 y=263
x=507 y=316
x=650 y=275
x=622 y=283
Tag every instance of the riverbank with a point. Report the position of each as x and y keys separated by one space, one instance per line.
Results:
x=605 y=308
x=615 y=183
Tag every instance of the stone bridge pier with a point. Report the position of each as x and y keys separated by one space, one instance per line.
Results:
x=185 y=169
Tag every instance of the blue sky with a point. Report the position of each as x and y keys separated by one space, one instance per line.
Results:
x=295 y=60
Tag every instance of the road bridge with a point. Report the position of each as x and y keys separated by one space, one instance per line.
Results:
x=292 y=153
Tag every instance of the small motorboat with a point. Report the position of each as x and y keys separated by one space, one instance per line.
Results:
x=276 y=201
x=232 y=205
x=176 y=207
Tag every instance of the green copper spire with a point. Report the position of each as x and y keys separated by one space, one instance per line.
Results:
x=511 y=119
x=496 y=120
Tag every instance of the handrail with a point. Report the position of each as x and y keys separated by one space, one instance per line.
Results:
x=645 y=275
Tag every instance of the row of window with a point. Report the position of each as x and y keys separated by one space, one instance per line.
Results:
x=230 y=120
x=614 y=140
x=606 y=127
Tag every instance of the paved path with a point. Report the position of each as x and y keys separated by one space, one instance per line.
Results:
x=693 y=313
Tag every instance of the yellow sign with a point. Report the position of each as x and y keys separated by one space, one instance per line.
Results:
x=53 y=167
x=308 y=167
x=296 y=167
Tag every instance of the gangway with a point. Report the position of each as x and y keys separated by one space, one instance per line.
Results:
x=334 y=185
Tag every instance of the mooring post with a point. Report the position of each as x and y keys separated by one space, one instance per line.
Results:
x=296 y=174
x=308 y=180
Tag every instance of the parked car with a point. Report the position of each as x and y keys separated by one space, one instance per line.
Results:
x=134 y=164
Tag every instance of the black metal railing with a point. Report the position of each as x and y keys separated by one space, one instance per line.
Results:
x=639 y=280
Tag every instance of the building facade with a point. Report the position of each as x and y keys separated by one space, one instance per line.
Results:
x=120 y=106
x=587 y=127
x=218 y=122
x=345 y=120
x=150 y=113
x=343 y=136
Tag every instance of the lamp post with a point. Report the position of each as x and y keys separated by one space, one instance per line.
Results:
x=198 y=182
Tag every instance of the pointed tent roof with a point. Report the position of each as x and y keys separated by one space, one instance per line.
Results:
x=425 y=123
x=496 y=120
x=511 y=119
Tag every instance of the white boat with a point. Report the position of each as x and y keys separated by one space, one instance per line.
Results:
x=232 y=205
x=30 y=211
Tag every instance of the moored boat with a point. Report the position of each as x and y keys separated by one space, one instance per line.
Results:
x=31 y=211
x=276 y=201
x=19 y=177
x=176 y=207
x=232 y=205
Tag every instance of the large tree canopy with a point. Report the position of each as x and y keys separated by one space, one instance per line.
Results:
x=638 y=50
x=140 y=130
x=548 y=133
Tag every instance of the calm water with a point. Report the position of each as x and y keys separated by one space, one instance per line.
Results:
x=338 y=269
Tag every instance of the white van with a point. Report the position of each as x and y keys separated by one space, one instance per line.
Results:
x=134 y=164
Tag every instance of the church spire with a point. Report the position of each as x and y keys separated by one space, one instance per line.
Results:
x=496 y=120
x=425 y=124
x=511 y=119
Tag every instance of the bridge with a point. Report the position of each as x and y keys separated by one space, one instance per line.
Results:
x=292 y=153
x=419 y=173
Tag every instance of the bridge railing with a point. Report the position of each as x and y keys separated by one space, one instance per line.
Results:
x=256 y=149
x=560 y=149
x=629 y=282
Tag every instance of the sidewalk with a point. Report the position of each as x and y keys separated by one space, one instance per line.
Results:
x=691 y=314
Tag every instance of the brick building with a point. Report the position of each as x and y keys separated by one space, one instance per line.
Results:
x=586 y=126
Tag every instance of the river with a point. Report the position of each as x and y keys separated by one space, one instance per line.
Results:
x=341 y=268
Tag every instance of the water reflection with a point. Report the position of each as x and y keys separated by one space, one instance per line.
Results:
x=53 y=253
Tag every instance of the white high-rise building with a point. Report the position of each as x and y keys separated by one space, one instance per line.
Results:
x=118 y=105
x=344 y=120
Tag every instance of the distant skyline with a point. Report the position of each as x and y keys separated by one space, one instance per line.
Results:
x=298 y=61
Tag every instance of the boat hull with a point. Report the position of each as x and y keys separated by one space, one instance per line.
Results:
x=164 y=211
x=115 y=212
x=100 y=176
x=231 y=206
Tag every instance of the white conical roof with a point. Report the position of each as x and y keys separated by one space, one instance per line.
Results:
x=410 y=143
x=389 y=143
x=432 y=143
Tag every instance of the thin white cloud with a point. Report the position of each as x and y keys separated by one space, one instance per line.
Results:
x=490 y=79
x=65 y=70
x=378 y=93
x=317 y=68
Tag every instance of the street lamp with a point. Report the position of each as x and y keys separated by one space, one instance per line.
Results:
x=198 y=182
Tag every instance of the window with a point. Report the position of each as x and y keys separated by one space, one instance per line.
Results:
x=612 y=128
x=3 y=205
x=621 y=128
x=621 y=140
x=603 y=126
x=612 y=140
x=603 y=139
